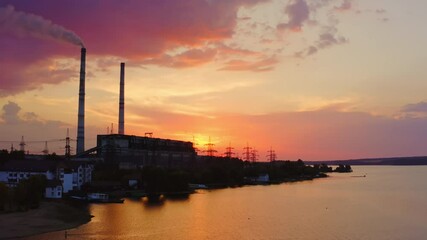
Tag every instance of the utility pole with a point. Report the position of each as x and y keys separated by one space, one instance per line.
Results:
x=247 y=153
x=254 y=155
x=45 y=150
x=229 y=151
x=67 y=145
x=271 y=155
x=210 y=150
x=22 y=144
x=195 y=145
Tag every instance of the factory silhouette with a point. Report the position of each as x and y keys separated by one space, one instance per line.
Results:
x=128 y=151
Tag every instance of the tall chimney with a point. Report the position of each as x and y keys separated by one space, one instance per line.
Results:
x=81 y=115
x=122 y=100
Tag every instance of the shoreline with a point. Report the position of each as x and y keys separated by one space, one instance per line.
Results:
x=51 y=216
x=60 y=215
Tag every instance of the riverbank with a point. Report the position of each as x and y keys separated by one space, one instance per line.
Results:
x=50 y=216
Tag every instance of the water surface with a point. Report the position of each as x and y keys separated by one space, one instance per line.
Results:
x=389 y=203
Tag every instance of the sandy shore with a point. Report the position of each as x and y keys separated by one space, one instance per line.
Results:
x=49 y=217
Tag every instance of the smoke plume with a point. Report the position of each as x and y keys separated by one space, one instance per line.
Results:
x=24 y=24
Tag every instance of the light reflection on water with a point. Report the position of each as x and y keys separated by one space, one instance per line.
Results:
x=389 y=203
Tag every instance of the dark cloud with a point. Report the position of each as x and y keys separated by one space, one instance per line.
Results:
x=10 y=113
x=380 y=11
x=298 y=13
x=420 y=107
x=327 y=38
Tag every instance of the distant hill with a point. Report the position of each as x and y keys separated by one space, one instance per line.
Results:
x=396 y=161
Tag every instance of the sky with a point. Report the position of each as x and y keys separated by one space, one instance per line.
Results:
x=310 y=79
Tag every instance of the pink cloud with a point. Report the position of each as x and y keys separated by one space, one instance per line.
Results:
x=132 y=29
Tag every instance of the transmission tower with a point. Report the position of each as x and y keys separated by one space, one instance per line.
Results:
x=229 y=151
x=210 y=150
x=247 y=153
x=271 y=155
x=67 y=145
x=45 y=150
x=254 y=155
x=195 y=145
x=22 y=144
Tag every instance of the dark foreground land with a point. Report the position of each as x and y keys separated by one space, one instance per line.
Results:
x=49 y=217
x=149 y=181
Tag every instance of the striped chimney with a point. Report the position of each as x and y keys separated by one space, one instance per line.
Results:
x=81 y=116
x=122 y=100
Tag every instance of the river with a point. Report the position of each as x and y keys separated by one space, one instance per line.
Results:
x=389 y=203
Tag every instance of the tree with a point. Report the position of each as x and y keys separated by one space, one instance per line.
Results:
x=29 y=192
x=4 y=196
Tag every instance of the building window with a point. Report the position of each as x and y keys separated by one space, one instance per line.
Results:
x=59 y=194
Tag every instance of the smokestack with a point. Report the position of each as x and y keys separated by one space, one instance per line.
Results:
x=122 y=100
x=81 y=115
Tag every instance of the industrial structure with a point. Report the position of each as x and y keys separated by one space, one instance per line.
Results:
x=229 y=151
x=122 y=100
x=81 y=115
x=210 y=151
x=129 y=151
x=247 y=153
x=132 y=152
x=271 y=157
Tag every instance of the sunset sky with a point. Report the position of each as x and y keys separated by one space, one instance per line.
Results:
x=312 y=79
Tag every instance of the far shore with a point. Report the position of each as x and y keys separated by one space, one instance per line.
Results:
x=49 y=217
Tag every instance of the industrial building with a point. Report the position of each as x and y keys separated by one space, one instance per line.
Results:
x=134 y=151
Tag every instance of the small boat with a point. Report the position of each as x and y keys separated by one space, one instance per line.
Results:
x=197 y=186
x=102 y=198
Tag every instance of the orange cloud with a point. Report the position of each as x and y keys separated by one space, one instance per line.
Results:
x=262 y=65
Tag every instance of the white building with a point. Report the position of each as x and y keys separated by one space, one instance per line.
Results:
x=53 y=189
x=12 y=172
x=74 y=174
x=71 y=175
